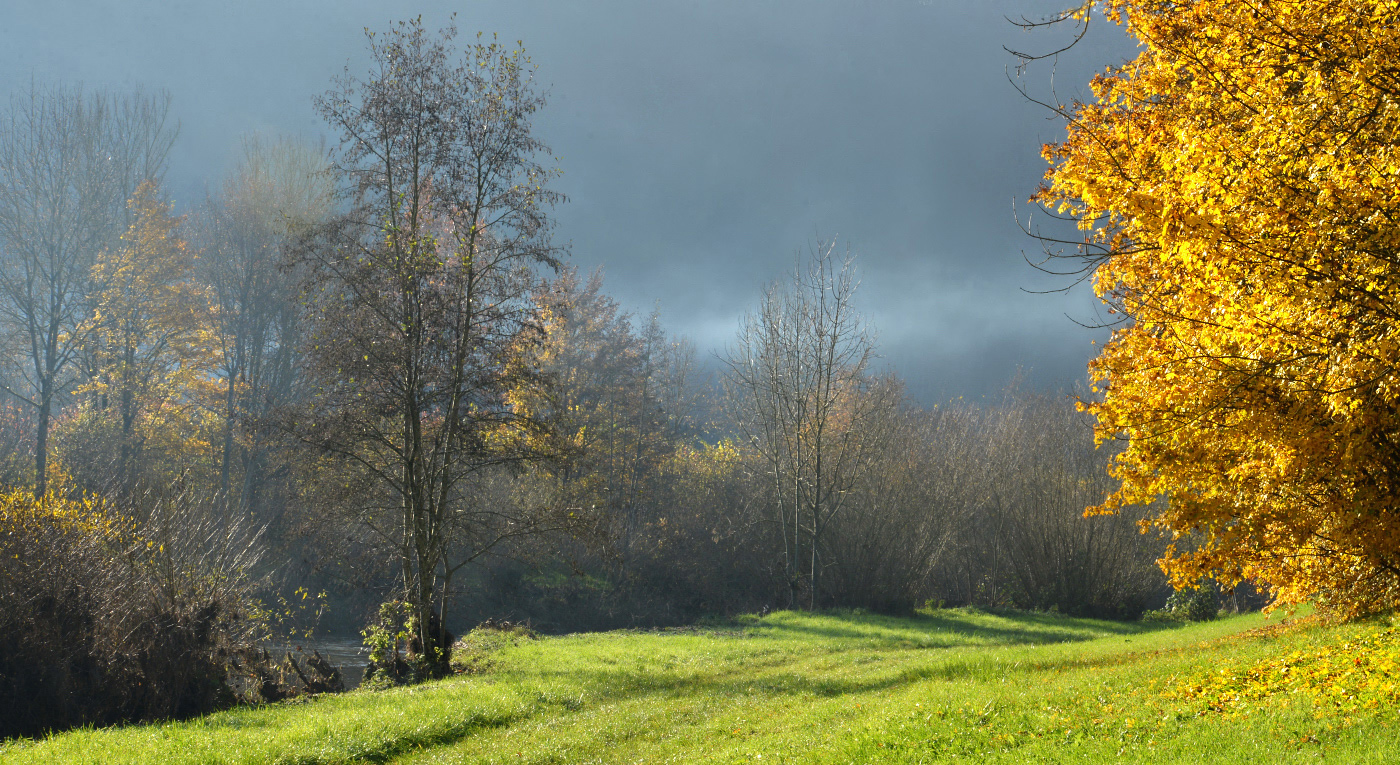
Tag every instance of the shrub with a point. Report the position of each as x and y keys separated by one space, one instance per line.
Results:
x=1195 y=604
x=395 y=655
x=474 y=653
x=106 y=620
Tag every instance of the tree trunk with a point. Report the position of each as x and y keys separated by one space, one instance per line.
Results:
x=41 y=445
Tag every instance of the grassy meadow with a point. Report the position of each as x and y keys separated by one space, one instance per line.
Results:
x=945 y=685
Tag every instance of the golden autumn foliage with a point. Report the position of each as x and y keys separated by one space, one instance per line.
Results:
x=1344 y=678
x=151 y=350
x=22 y=514
x=1238 y=185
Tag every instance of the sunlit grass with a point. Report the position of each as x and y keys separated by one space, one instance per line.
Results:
x=790 y=687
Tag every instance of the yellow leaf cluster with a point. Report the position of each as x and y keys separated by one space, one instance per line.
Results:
x=22 y=514
x=1238 y=180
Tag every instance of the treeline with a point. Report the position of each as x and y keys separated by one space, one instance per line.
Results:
x=371 y=372
x=685 y=510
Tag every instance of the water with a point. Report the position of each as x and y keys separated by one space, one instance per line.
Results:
x=349 y=654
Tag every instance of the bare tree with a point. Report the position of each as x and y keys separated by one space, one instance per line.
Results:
x=279 y=189
x=798 y=376
x=69 y=161
x=419 y=298
x=1025 y=469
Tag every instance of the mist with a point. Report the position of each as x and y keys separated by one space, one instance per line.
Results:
x=702 y=145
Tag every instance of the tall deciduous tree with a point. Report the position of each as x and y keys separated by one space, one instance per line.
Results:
x=150 y=347
x=1236 y=184
x=279 y=189
x=69 y=161
x=615 y=398
x=419 y=296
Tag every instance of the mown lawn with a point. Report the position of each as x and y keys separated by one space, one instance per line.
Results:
x=942 y=686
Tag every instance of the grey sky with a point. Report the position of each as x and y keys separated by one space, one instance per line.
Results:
x=703 y=143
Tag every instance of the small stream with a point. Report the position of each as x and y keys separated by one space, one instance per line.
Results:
x=349 y=654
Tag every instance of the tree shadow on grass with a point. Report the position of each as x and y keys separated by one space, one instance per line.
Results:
x=604 y=686
x=427 y=737
x=949 y=629
x=762 y=675
x=614 y=685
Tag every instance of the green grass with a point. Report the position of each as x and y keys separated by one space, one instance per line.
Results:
x=943 y=686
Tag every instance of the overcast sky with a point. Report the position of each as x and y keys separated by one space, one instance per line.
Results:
x=703 y=143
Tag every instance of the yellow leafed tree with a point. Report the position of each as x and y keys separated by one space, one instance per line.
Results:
x=1238 y=186
x=151 y=351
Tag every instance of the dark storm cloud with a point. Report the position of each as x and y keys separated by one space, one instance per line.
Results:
x=703 y=144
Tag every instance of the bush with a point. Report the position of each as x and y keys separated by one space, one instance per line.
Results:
x=1190 y=604
x=104 y=620
x=474 y=653
x=1195 y=604
x=395 y=655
